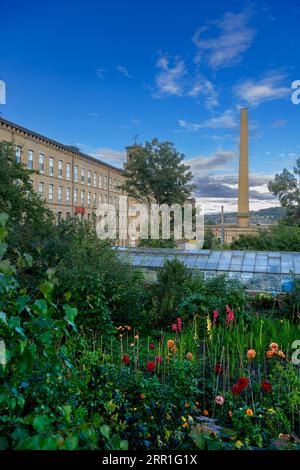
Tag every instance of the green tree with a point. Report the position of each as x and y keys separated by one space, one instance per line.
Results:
x=286 y=187
x=155 y=173
x=30 y=222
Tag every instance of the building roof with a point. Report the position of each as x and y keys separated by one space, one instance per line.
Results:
x=66 y=148
x=257 y=270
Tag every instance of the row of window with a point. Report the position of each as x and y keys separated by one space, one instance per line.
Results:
x=101 y=198
x=101 y=181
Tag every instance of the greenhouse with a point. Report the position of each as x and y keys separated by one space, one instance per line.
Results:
x=266 y=271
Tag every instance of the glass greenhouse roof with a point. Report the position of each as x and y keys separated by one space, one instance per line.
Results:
x=258 y=270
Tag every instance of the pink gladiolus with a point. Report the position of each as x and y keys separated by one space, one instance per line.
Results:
x=215 y=314
x=179 y=324
x=174 y=327
x=158 y=359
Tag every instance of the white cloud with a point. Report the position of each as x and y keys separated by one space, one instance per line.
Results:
x=170 y=79
x=92 y=114
x=227 y=120
x=278 y=123
x=223 y=42
x=173 y=79
x=205 y=87
x=114 y=157
x=123 y=70
x=270 y=87
x=100 y=72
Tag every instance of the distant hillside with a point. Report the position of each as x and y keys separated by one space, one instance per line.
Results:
x=262 y=216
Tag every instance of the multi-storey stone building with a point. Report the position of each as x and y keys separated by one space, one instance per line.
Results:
x=70 y=181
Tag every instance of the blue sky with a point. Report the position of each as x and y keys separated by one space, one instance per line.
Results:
x=95 y=73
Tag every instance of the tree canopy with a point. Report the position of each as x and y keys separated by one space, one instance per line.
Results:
x=156 y=173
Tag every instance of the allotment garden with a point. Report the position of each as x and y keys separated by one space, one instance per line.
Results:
x=93 y=357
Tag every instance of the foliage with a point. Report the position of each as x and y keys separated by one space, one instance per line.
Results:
x=172 y=286
x=155 y=173
x=283 y=237
x=286 y=187
x=160 y=243
x=30 y=222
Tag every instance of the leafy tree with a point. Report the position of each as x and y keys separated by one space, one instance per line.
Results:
x=155 y=173
x=286 y=187
x=29 y=222
x=281 y=237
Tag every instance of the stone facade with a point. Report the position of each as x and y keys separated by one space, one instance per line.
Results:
x=70 y=181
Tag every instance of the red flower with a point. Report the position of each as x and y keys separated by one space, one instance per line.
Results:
x=150 y=366
x=158 y=359
x=126 y=359
x=218 y=369
x=266 y=386
x=151 y=346
x=242 y=383
x=235 y=390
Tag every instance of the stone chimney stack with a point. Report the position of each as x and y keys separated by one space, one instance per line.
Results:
x=243 y=190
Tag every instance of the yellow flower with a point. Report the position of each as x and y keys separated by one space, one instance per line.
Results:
x=239 y=444
x=271 y=410
x=59 y=377
x=249 y=412
x=208 y=326
x=183 y=418
x=185 y=425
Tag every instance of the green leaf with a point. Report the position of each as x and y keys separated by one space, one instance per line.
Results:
x=71 y=443
x=41 y=423
x=3 y=248
x=3 y=218
x=3 y=317
x=124 y=445
x=67 y=410
x=28 y=258
x=40 y=307
x=105 y=430
x=70 y=315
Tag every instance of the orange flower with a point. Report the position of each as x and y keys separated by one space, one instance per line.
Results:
x=205 y=412
x=136 y=337
x=230 y=413
x=173 y=349
x=197 y=403
x=129 y=328
x=270 y=354
x=274 y=346
x=249 y=412
x=186 y=405
x=281 y=354
x=185 y=425
x=142 y=396
x=189 y=356
x=170 y=343
x=251 y=354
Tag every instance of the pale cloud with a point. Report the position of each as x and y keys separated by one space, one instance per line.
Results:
x=218 y=160
x=124 y=71
x=205 y=87
x=227 y=120
x=278 y=123
x=173 y=79
x=223 y=42
x=100 y=72
x=270 y=87
x=114 y=157
x=92 y=114
x=170 y=78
